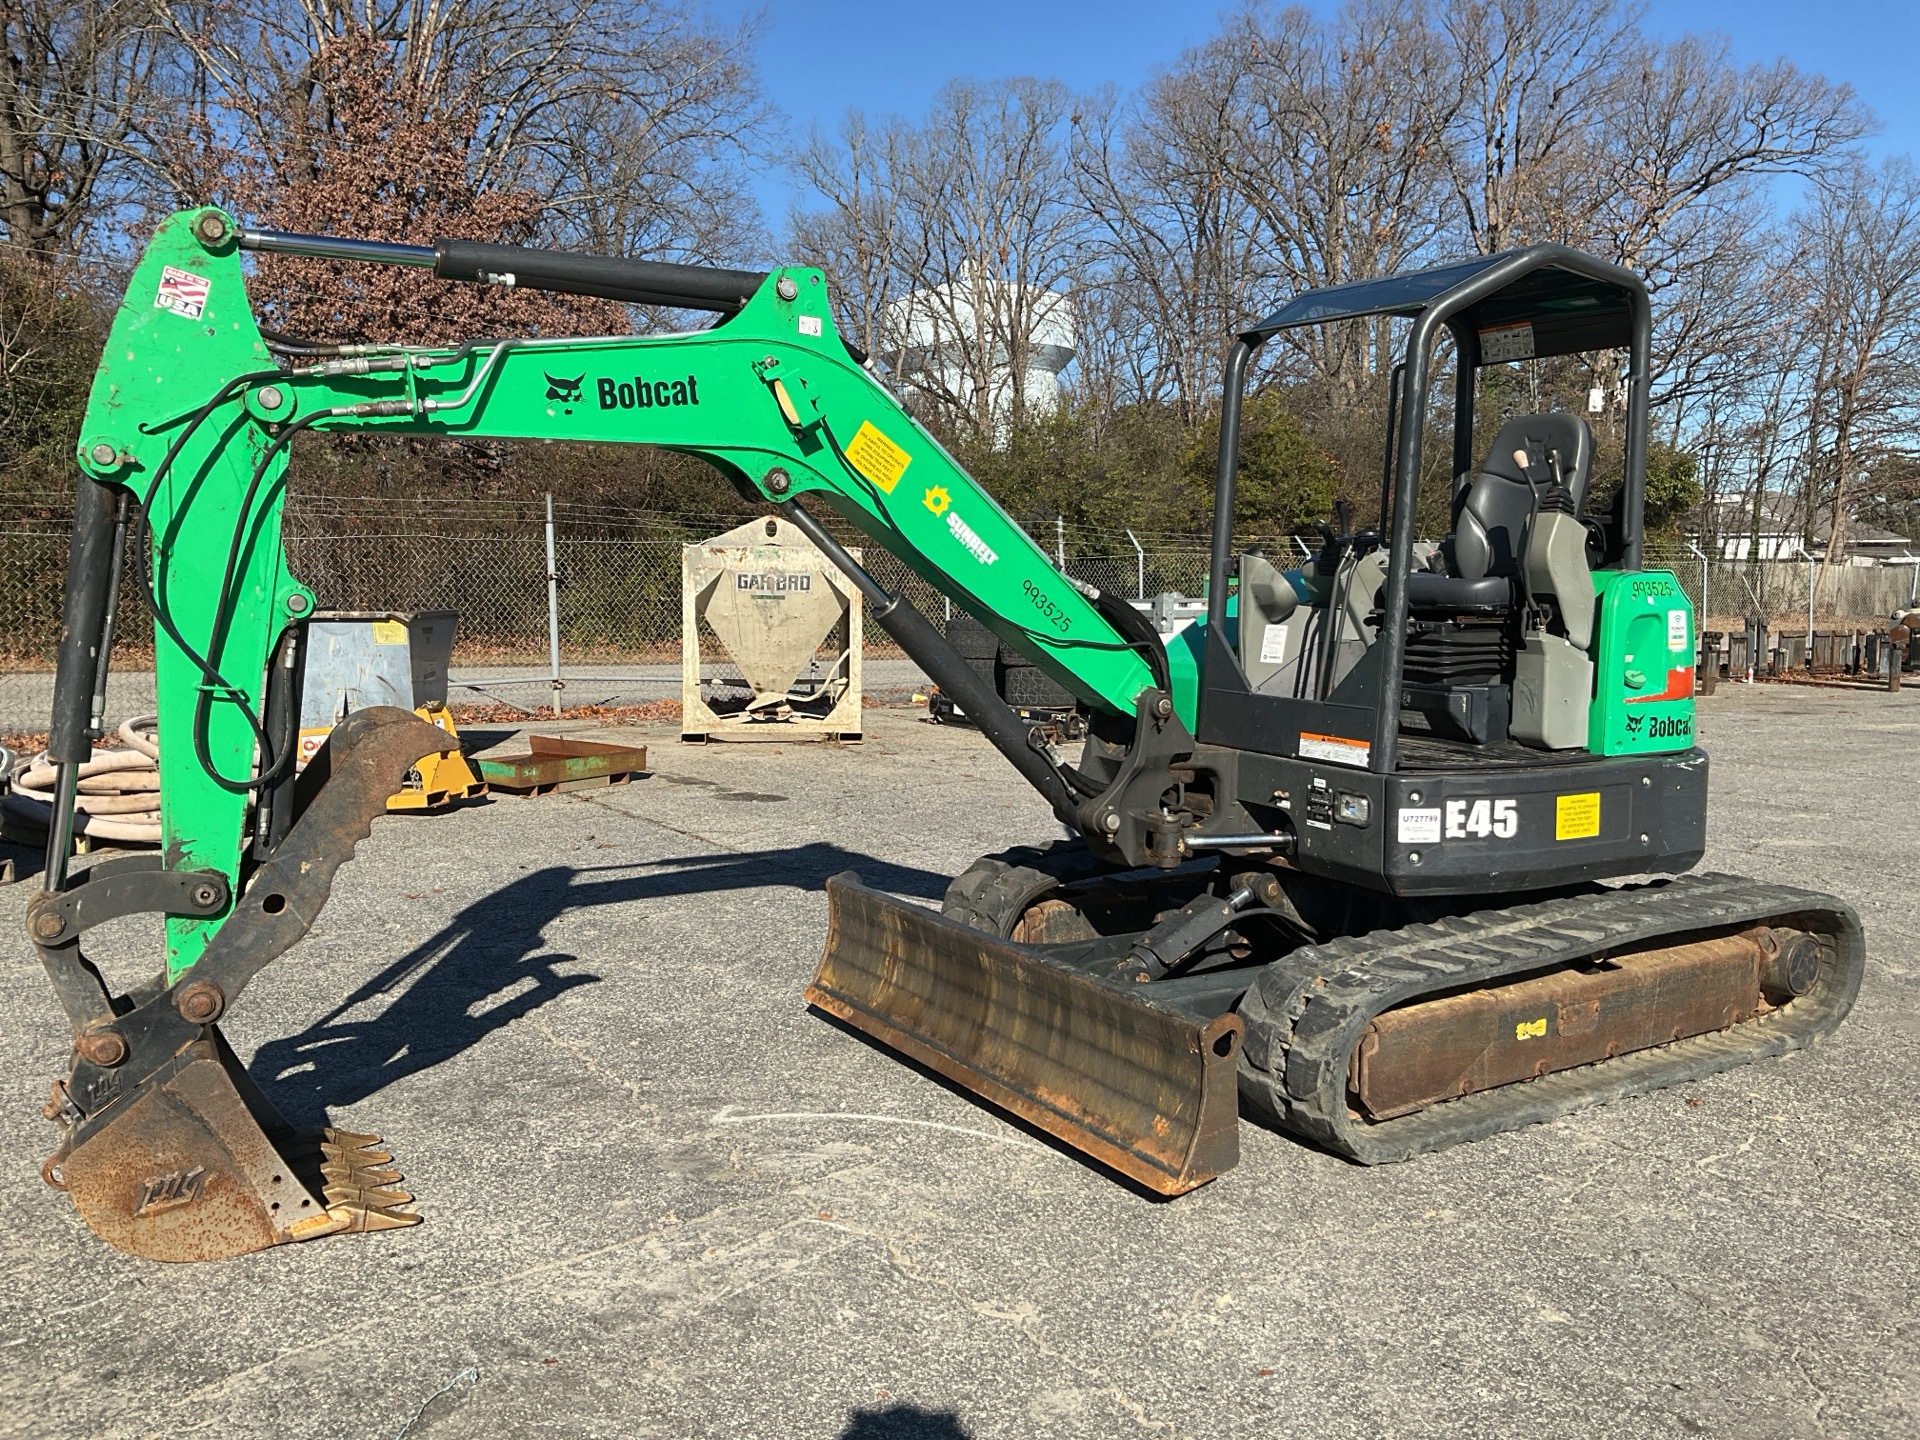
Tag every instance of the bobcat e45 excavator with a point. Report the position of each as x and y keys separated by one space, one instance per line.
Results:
x=1339 y=847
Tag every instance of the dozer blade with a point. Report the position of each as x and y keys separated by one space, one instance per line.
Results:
x=172 y=1152
x=1096 y=1064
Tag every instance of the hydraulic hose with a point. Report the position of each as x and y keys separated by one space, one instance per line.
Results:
x=116 y=790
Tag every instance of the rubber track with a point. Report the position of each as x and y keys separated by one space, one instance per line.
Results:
x=994 y=892
x=1307 y=1011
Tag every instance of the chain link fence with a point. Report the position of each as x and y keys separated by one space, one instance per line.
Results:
x=616 y=597
x=617 y=594
x=1784 y=592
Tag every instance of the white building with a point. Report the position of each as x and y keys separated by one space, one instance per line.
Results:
x=1780 y=537
x=939 y=331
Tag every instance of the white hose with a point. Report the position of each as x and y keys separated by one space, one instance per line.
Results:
x=119 y=789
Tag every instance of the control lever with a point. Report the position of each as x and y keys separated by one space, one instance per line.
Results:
x=1535 y=620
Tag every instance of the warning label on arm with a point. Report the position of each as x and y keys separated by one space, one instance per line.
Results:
x=877 y=457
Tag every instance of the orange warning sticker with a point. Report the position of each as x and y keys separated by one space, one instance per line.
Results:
x=1336 y=748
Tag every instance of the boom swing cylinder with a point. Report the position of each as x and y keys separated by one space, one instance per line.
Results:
x=1270 y=862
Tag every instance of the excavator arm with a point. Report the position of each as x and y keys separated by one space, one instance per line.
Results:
x=170 y=1151
x=191 y=415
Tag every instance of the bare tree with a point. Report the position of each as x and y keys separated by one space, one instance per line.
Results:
x=955 y=240
x=862 y=234
x=1335 y=142
x=1862 y=283
x=1173 y=238
x=1524 y=82
x=80 y=77
x=1680 y=150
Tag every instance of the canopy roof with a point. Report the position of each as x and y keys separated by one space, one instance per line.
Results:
x=1572 y=301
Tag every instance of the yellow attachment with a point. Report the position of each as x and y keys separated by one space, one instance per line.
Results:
x=438 y=780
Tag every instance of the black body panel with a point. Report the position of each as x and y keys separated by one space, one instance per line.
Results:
x=1489 y=829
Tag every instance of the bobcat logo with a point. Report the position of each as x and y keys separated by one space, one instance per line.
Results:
x=567 y=392
x=1633 y=726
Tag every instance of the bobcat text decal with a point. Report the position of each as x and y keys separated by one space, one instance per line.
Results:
x=643 y=394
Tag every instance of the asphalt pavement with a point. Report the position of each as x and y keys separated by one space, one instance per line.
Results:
x=664 y=1199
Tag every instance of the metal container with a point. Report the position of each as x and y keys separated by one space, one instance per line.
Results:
x=361 y=658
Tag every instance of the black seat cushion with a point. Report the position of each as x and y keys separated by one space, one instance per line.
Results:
x=1458 y=596
x=1493 y=507
x=1540 y=436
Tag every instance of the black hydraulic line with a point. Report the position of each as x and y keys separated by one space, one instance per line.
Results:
x=274 y=758
x=284 y=344
x=1139 y=634
x=143 y=542
x=946 y=668
x=97 y=712
x=610 y=277
x=83 y=619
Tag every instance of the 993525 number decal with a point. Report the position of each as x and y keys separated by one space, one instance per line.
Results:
x=1055 y=616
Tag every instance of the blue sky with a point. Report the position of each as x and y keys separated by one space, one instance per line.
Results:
x=818 y=59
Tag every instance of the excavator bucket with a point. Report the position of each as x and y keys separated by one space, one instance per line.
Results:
x=197 y=1165
x=172 y=1152
x=1097 y=1064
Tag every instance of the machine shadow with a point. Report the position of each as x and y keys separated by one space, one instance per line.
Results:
x=490 y=965
x=904 y=1422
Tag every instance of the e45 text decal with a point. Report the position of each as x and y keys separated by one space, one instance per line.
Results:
x=1482 y=819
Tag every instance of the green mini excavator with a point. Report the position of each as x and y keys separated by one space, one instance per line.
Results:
x=1390 y=848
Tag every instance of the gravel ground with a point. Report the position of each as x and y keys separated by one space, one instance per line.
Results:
x=662 y=1199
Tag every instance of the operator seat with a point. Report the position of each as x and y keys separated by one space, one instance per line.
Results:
x=1490 y=514
x=1517 y=541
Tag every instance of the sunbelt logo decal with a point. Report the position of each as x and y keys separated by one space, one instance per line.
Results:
x=969 y=541
x=941 y=503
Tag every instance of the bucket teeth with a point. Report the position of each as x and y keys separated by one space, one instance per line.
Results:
x=361 y=1186
x=343 y=1174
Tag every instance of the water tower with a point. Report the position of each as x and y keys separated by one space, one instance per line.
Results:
x=936 y=329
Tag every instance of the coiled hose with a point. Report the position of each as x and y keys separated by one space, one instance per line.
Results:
x=119 y=788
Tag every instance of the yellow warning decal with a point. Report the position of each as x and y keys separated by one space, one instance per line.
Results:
x=1531 y=1029
x=877 y=457
x=1576 y=817
x=389 y=632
